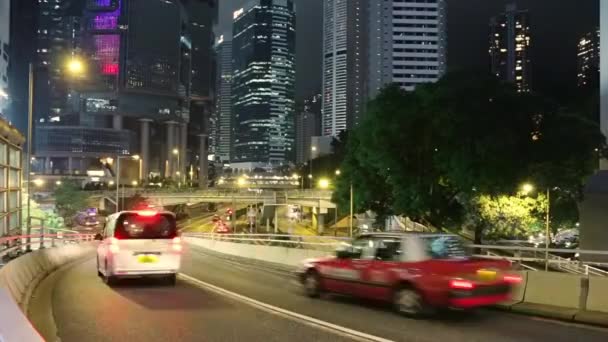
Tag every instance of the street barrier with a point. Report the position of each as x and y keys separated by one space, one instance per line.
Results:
x=20 y=276
x=597 y=296
x=552 y=288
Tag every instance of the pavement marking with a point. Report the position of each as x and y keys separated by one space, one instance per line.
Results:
x=317 y=323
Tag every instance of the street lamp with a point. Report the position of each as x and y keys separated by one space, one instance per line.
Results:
x=75 y=66
x=118 y=158
x=177 y=173
x=338 y=172
x=351 y=207
x=323 y=183
x=526 y=189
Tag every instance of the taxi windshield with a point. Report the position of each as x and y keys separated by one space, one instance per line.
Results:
x=444 y=247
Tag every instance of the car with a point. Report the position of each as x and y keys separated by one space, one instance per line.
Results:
x=221 y=228
x=418 y=273
x=139 y=243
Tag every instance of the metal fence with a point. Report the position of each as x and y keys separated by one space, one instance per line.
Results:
x=521 y=257
x=13 y=246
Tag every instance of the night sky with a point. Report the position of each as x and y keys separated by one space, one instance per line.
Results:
x=556 y=28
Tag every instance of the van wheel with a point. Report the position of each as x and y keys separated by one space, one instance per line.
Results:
x=171 y=280
x=109 y=279
x=99 y=274
x=409 y=302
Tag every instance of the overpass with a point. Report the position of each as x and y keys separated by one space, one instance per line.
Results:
x=244 y=290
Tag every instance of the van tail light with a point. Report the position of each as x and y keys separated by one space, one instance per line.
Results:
x=512 y=279
x=114 y=245
x=176 y=244
x=461 y=284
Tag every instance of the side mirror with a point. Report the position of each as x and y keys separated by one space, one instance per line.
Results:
x=98 y=237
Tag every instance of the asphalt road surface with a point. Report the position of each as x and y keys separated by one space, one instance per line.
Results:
x=85 y=309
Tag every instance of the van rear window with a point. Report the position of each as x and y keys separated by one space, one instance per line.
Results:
x=134 y=226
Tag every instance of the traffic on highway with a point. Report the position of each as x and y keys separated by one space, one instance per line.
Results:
x=378 y=287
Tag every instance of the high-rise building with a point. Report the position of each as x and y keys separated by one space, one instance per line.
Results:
x=510 y=47
x=588 y=59
x=4 y=53
x=407 y=42
x=223 y=100
x=308 y=125
x=264 y=83
x=344 y=81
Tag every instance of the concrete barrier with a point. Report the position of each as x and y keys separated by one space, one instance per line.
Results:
x=552 y=288
x=273 y=254
x=597 y=297
x=13 y=324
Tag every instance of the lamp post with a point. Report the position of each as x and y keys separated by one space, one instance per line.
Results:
x=178 y=173
x=312 y=150
x=528 y=188
x=351 y=206
x=118 y=158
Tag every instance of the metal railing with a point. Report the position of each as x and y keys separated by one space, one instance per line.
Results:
x=12 y=246
x=518 y=255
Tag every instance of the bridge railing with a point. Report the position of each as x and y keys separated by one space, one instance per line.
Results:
x=518 y=256
x=11 y=246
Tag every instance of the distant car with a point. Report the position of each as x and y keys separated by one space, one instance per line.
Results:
x=417 y=273
x=221 y=228
x=216 y=218
x=139 y=244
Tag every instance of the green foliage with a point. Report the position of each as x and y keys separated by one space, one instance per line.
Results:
x=69 y=198
x=462 y=147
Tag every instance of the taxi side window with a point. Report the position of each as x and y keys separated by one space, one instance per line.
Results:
x=363 y=248
x=389 y=249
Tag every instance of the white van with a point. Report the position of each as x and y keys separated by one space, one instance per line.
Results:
x=137 y=244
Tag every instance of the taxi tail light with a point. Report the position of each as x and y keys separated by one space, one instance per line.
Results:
x=114 y=245
x=147 y=213
x=512 y=279
x=461 y=284
x=176 y=244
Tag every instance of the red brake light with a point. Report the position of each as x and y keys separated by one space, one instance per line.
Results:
x=461 y=284
x=512 y=279
x=147 y=213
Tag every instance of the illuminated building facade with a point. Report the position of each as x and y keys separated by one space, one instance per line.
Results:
x=407 y=43
x=510 y=47
x=222 y=134
x=4 y=53
x=263 y=83
x=588 y=59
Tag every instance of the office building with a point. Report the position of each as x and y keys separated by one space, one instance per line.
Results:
x=4 y=54
x=344 y=80
x=308 y=125
x=223 y=120
x=510 y=47
x=11 y=143
x=588 y=59
x=263 y=84
x=136 y=95
x=407 y=43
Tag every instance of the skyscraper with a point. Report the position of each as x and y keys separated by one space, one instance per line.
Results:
x=223 y=100
x=263 y=83
x=4 y=52
x=509 y=47
x=588 y=59
x=407 y=42
x=308 y=125
x=345 y=44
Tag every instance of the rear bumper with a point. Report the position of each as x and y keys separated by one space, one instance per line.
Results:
x=480 y=296
x=139 y=273
x=475 y=302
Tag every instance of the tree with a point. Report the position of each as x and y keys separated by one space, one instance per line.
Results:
x=69 y=198
x=463 y=143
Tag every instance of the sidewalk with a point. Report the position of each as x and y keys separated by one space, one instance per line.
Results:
x=557 y=312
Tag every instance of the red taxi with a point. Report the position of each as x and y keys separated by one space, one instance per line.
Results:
x=417 y=273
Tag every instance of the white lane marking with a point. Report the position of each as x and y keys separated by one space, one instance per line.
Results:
x=317 y=323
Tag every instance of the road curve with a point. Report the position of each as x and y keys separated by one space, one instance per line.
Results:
x=86 y=309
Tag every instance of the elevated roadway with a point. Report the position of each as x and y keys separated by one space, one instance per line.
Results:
x=218 y=298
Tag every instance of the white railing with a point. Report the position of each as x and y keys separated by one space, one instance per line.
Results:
x=20 y=243
x=519 y=255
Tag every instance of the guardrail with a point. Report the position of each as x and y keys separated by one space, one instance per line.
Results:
x=521 y=255
x=20 y=243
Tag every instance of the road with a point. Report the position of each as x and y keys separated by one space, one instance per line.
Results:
x=86 y=309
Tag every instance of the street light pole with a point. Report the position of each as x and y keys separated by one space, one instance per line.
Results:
x=117 y=183
x=30 y=123
x=547 y=230
x=350 y=218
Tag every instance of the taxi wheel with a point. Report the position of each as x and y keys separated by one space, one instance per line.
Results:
x=409 y=302
x=312 y=284
x=107 y=278
x=99 y=274
x=171 y=280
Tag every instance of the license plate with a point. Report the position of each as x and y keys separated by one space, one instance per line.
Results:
x=487 y=275
x=147 y=259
